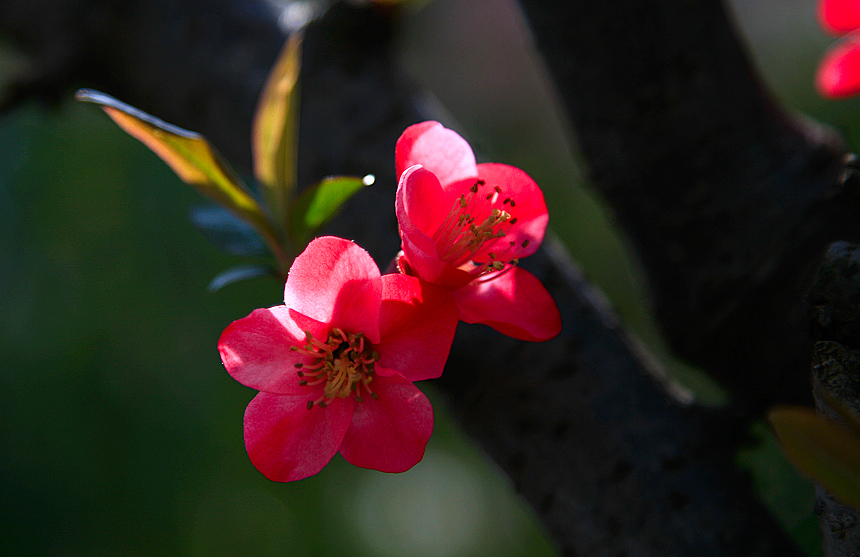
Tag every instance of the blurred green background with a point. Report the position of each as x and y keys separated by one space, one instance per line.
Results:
x=121 y=431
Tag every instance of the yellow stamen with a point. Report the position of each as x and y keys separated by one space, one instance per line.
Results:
x=474 y=221
x=343 y=363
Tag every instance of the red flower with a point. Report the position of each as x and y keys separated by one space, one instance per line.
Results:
x=464 y=226
x=335 y=364
x=838 y=74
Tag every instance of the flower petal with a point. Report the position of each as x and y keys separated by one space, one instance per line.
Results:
x=438 y=149
x=839 y=16
x=288 y=442
x=420 y=200
x=417 y=324
x=515 y=303
x=389 y=434
x=416 y=188
x=838 y=74
x=335 y=281
x=256 y=351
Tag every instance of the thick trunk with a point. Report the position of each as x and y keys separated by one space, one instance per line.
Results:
x=728 y=201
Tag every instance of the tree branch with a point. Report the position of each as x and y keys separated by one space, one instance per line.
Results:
x=835 y=300
x=593 y=437
x=729 y=201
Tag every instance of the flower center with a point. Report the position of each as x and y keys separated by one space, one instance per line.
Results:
x=344 y=363
x=474 y=221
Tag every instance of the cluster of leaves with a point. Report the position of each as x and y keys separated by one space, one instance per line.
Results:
x=271 y=219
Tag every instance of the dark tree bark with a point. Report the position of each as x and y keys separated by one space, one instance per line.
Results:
x=729 y=201
x=594 y=438
x=835 y=301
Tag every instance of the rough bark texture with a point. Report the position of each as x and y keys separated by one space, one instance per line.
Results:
x=612 y=461
x=729 y=202
x=607 y=456
x=835 y=300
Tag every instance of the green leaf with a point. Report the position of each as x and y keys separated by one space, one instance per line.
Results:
x=194 y=160
x=239 y=273
x=318 y=204
x=227 y=231
x=822 y=449
x=187 y=153
x=275 y=130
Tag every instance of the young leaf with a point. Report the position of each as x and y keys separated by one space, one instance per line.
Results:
x=227 y=231
x=319 y=203
x=187 y=153
x=236 y=274
x=274 y=133
x=822 y=449
x=194 y=160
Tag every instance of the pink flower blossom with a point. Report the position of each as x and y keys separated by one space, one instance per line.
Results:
x=838 y=74
x=335 y=364
x=464 y=226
